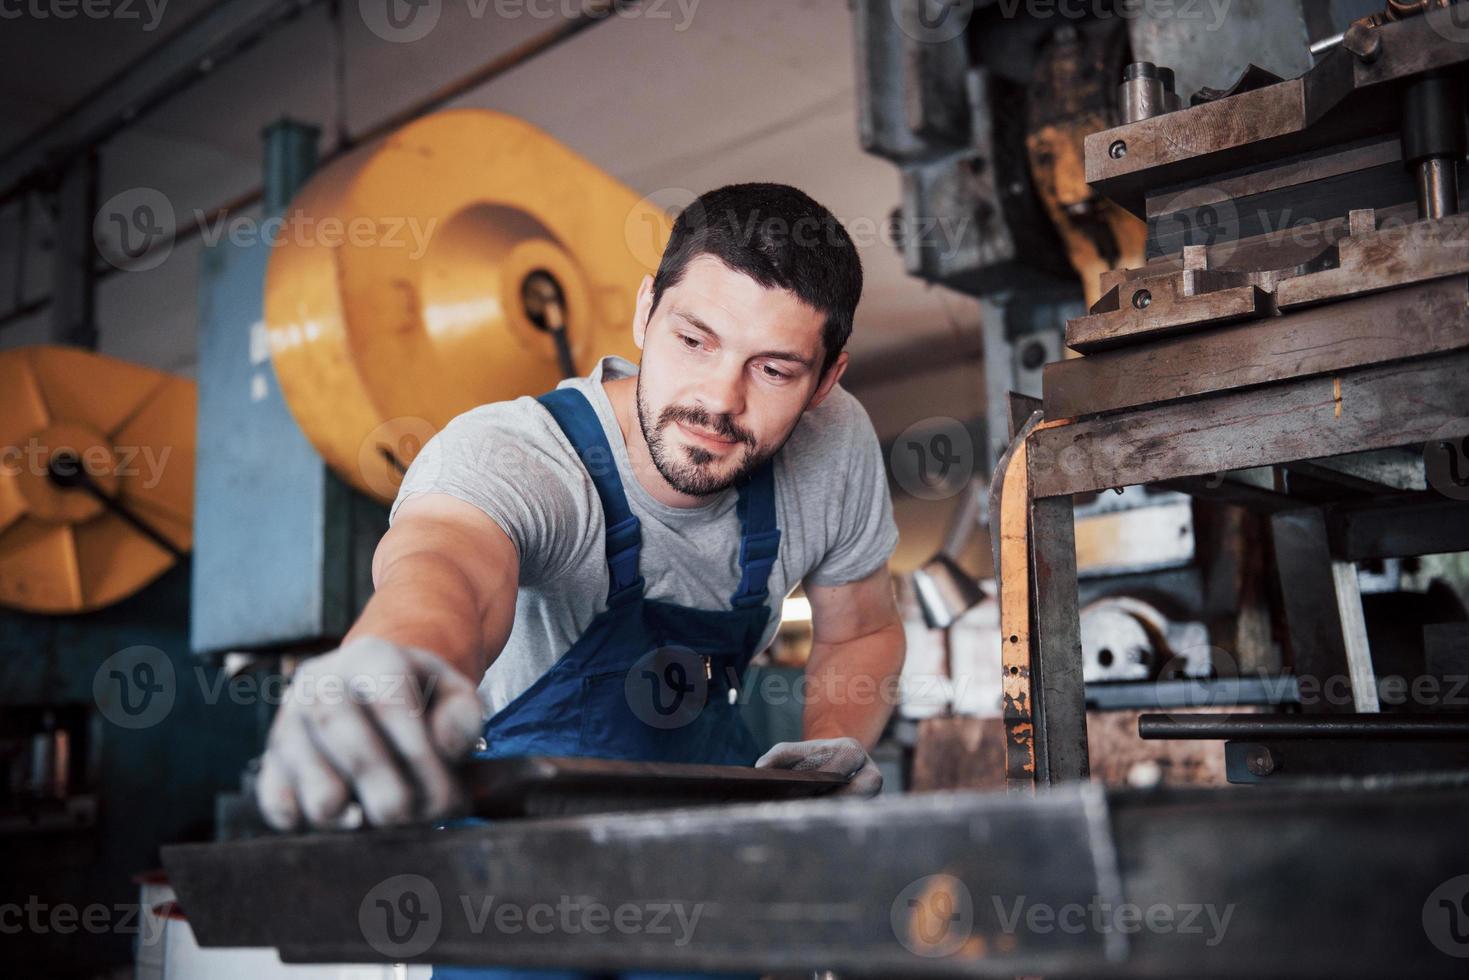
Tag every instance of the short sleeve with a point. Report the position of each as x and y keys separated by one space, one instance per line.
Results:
x=866 y=533
x=506 y=460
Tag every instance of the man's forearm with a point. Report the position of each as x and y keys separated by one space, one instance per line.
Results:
x=852 y=685
x=425 y=601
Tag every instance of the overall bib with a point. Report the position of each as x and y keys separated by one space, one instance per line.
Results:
x=649 y=681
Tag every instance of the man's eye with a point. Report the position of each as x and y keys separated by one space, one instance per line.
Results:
x=773 y=374
x=690 y=342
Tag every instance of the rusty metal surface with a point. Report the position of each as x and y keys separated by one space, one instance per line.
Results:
x=1399 y=404
x=1119 y=757
x=862 y=886
x=1372 y=259
x=1072 y=94
x=1341 y=99
x=895 y=887
x=959 y=752
x=1428 y=319
x=1210 y=51
x=1011 y=495
x=1160 y=306
x=551 y=785
x=1146 y=304
x=1058 y=689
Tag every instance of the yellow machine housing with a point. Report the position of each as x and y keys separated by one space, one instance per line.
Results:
x=131 y=431
x=394 y=295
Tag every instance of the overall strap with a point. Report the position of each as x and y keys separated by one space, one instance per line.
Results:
x=759 y=536
x=578 y=420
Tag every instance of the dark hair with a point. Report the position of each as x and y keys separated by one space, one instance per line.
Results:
x=779 y=237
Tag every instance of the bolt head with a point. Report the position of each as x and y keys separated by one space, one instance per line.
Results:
x=1259 y=761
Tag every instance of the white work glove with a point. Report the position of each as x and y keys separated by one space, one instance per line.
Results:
x=375 y=723
x=840 y=755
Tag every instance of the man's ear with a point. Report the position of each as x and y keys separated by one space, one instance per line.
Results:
x=829 y=380
x=642 y=311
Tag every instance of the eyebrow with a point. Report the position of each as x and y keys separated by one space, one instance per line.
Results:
x=774 y=355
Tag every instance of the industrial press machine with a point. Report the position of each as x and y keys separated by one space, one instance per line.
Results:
x=1262 y=283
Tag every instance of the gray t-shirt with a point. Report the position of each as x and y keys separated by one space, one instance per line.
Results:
x=511 y=460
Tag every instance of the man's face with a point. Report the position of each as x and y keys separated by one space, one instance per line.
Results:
x=728 y=367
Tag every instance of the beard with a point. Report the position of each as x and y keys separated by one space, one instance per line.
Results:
x=688 y=469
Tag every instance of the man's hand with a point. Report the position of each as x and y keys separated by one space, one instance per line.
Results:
x=840 y=755
x=376 y=723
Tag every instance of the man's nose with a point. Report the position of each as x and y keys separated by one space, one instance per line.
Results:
x=721 y=391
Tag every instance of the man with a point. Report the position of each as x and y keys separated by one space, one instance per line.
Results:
x=603 y=562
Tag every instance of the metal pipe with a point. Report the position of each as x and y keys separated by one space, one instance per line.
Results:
x=1434 y=141
x=1324 y=45
x=1452 y=728
x=202 y=44
x=594 y=13
x=1143 y=93
x=1438 y=187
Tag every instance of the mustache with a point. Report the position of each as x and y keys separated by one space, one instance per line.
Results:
x=722 y=425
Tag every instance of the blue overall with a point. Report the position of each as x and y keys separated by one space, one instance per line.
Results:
x=649 y=680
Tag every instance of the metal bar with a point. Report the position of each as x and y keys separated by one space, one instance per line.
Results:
x=894 y=887
x=1323 y=609
x=1308 y=758
x=209 y=40
x=1369 y=408
x=1253 y=489
x=1354 y=636
x=73 y=316
x=1386 y=471
x=1428 y=319
x=546 y=785
x=1192 y=693
x=22 y=246
x=1061 y=695
x=594 y=12
x=1438 y=188
x=860 y=886
x=1447 y=727
x=1399 y=527
x=1010 y=515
